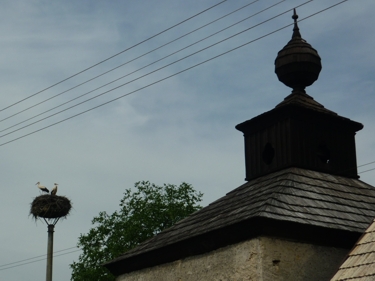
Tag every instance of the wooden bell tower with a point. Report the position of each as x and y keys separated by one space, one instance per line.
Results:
x=299 y=132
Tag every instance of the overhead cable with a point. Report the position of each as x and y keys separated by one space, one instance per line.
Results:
x=172 y=75
x=13 y=264
x=123 y=64
x=366 y=171
x=147 y=74
x=173 y=53
x=36 y=257
x=111 y=57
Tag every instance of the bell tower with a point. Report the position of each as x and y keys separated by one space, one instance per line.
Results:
x=299 y=132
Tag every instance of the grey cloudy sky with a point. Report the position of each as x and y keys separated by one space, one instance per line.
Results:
x=181 y=129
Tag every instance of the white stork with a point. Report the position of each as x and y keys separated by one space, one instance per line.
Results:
x=54 y=189
x=42 y=187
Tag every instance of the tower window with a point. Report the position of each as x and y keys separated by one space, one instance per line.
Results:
x=268 y=153
x=324 y=153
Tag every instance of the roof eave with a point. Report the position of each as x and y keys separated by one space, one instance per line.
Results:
x=230 y=235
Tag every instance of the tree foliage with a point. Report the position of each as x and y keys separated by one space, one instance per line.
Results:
x=143 y=213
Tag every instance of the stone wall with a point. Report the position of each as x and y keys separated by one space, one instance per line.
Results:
x=260 y=259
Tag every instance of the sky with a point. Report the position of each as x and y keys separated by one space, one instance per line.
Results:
x=164 y=130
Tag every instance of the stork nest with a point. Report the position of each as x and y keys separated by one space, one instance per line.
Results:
x=50 y=207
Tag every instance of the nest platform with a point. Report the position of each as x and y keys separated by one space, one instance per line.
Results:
x=50 y=207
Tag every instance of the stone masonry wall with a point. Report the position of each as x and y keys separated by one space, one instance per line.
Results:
x=259 y=259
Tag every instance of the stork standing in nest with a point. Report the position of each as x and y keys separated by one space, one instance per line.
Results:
x=54 y=189
x=42 y=187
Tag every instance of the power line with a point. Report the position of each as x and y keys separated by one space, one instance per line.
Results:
x=177 y=73
x=366 y=164
x=111 y=57
x=37 y=257
x=45 y=257
x=366 y=171
x=123 y=64
x=149 y=73
x=173 y=53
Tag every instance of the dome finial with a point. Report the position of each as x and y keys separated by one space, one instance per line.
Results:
x=298 y=64
x=296 y=32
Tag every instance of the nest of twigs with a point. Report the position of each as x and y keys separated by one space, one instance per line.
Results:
x=50 y=207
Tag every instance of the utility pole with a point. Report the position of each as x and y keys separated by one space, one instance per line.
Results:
x=51 y=228
x=50 y=208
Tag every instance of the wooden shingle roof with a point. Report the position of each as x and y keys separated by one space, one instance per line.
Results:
x=291 y=196
x=360 y=263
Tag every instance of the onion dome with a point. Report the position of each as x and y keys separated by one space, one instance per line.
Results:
x=297 y=65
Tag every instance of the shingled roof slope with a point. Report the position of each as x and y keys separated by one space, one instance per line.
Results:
x=360 y=263
x=293 y=195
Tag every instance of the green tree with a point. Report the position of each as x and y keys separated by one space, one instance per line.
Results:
x=143 y=213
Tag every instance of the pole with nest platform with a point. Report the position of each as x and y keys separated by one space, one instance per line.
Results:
x=50 y=208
